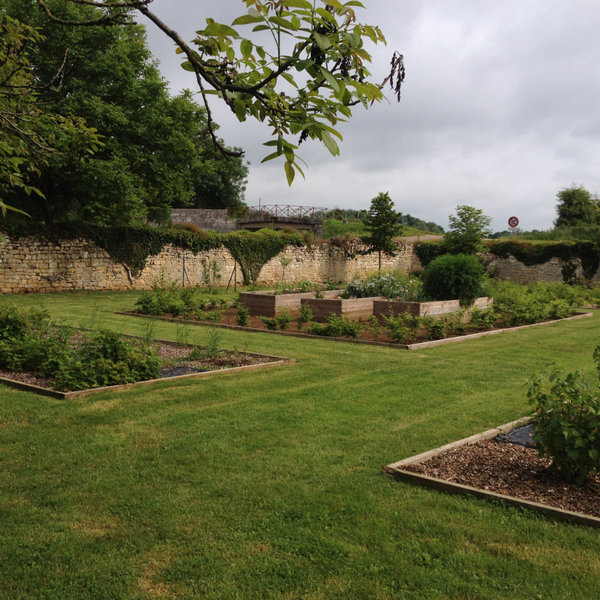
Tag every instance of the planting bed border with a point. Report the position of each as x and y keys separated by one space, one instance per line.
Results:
x=276 y=361
x=396 y=471
x=415 y=346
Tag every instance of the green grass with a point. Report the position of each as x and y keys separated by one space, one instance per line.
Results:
x=269 y=485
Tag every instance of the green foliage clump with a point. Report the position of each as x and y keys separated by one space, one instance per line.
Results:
x=535 y=254
x=518 y=304
x=243 y=315
x=304 y=316
x=270 y=323
x=390 y=285
x=451 y=277
x=568 y=422
x=32 y=342
x=467 y=229
x=252 y=250
x=383 y=225
x=336 y=326
x=170 y=299
x=428 y=251
x=577 y=207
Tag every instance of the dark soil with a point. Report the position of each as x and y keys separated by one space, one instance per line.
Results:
x=513 y=470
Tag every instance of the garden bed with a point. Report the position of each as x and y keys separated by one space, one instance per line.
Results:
x=178 y=361
x=439 y=308
x=364 y=336
x=352 y=308
x=493 y=470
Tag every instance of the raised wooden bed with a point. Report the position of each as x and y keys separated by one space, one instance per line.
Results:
x=268 y=304
x=344 y=307
x=382 y=308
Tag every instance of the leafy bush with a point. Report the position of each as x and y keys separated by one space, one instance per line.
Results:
x=304 y=316
x=435 y=329
x=454 y=276
x=568 y=422
x=483 y=319
x=243 y=315
x=336 y=326
x=404 y=326
x=283 y=319
x=270 y=323
x=521 y=304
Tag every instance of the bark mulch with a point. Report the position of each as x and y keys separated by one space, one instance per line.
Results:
x=512 y=470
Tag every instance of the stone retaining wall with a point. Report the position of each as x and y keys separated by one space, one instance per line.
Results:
x=32 y=265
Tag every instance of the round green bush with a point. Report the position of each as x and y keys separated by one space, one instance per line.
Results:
x=453 y=276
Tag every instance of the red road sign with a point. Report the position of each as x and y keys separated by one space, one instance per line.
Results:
x=513 y=221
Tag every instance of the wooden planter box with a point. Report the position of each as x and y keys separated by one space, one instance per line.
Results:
x=382 y=308
x=346 y=307
x=268 y=304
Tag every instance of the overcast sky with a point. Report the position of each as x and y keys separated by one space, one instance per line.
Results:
x=499 y=110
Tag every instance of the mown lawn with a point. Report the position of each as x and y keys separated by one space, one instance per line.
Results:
x=268 y=484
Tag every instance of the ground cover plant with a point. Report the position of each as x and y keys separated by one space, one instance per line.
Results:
x=269 y=485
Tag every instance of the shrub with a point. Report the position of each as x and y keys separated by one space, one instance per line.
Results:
x=270 y=323
x=243 y=315
x=283 y=319
x=305 y=315
x=454 y=276
x=435 y=329
x=568 y=423
x=483 y=319
x=336 y=326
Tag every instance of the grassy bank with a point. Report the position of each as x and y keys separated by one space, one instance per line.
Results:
x=268 y=484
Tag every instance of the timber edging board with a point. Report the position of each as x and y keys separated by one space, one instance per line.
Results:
x=396 y=471
x=416 y=346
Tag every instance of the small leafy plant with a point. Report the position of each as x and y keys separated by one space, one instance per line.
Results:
x=568 y=422
x=243 y=315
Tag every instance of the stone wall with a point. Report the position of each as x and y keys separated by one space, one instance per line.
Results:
x=32 y=265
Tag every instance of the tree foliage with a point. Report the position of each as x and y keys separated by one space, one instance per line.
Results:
x=577 y=207
x=467 y=229
x=301 y=84
x=31 y=135
x=157 y=150
x=383 y=224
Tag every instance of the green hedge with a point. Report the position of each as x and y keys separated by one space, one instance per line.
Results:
x=537 y=254
x=529 y=254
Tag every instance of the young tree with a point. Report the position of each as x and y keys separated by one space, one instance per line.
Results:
x=157 y=150
x=383 y=224
x=467 y=229
x=577 y=207
x=301 y=86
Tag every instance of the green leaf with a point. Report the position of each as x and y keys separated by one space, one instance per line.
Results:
x=247 y=20
x=246 y=48
x=289 y=172
x=218 y=30
x=331 y=80
x=239 y=106
x=330 y=143
x=322 y=40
